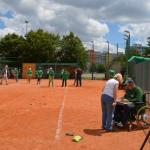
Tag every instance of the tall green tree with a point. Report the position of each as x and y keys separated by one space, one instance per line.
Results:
x=41 y=46
x=147 y=52
x=133 y=52
x=147 y=49
x=72 y=50
x=12 y=46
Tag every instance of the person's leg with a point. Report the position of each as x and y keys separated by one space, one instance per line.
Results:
x=6 y=79
x=80 y=82
x=126 y=112
x=118 y=113
x=29 y=79
x=109 y=111
x=16 y=78
x=74 y=81
x=49 y=82
x=52 y=82
x=0 y=81
x=77 y=82
x=39 y=80
x=63 y=82
x=104 y=114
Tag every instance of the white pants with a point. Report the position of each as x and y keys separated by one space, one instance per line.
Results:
x=6 y=77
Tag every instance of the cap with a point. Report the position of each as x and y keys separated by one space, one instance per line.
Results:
x=129 y=81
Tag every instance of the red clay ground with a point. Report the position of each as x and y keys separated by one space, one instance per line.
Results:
x=37 y=117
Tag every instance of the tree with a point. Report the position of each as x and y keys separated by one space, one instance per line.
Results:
x=133 y=52
x=11 y=46
x=72 y=50
x=147 y=52
x=100 y=68
x=41 y=46
x=147 y=49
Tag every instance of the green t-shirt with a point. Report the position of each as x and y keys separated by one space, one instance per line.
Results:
x=39 y=73
x=111 y=73
x=65 y=75
x=29 y=72
x=51 y=73
x=16 y=71
x=134 y=95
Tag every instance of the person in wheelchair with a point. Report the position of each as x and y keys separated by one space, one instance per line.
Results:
x=134 y=95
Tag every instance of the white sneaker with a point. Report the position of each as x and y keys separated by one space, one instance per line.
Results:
x=120 y=124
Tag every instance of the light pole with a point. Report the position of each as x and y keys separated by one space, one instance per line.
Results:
x=92 y=58
x=127 y=39
x=26 y=22
x=108 y=53
x=127 y=35
x=117 y=49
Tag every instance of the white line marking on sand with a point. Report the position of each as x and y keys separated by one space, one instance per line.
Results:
x=60 y=118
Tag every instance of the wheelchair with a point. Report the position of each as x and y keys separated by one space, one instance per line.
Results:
x=139 y=115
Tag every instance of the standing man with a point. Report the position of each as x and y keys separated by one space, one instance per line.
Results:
x=6 y=73
x=29 y=74
x=65 y=76
x=75 y=77
x=62 y=70
x=39 y=74
x=51 y=75
x=16 y=74
x=79 y=74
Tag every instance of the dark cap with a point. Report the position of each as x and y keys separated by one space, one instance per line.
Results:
x=129 y=81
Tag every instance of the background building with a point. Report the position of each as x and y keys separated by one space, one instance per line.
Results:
x=98 y=57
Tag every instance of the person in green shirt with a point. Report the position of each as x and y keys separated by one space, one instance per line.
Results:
x=29 y=74
x=16 y=74
x=61 y=73
x=133 y=94
x=51 y=75
x=39 y=74
x=65 y=76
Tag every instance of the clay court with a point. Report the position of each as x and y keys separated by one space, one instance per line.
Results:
x=35 y=117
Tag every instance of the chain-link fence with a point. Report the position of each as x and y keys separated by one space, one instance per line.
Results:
x=140 y=73
x=57 y=67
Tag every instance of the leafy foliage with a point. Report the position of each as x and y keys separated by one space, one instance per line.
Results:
x=41 y=47
x=99 y=68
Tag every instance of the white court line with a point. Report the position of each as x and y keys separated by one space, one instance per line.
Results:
x=60 y=118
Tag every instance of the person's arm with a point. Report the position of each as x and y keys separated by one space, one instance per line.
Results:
x=115 y=91
x=103 y=89
x=115 y=94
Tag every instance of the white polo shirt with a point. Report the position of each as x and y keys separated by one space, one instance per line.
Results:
x=109 y=87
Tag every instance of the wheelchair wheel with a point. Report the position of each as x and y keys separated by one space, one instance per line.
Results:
x=130 y=127
x=143 y=117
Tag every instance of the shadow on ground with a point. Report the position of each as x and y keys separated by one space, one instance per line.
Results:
x=100 y=132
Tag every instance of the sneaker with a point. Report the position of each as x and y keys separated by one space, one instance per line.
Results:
x=120 y=124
